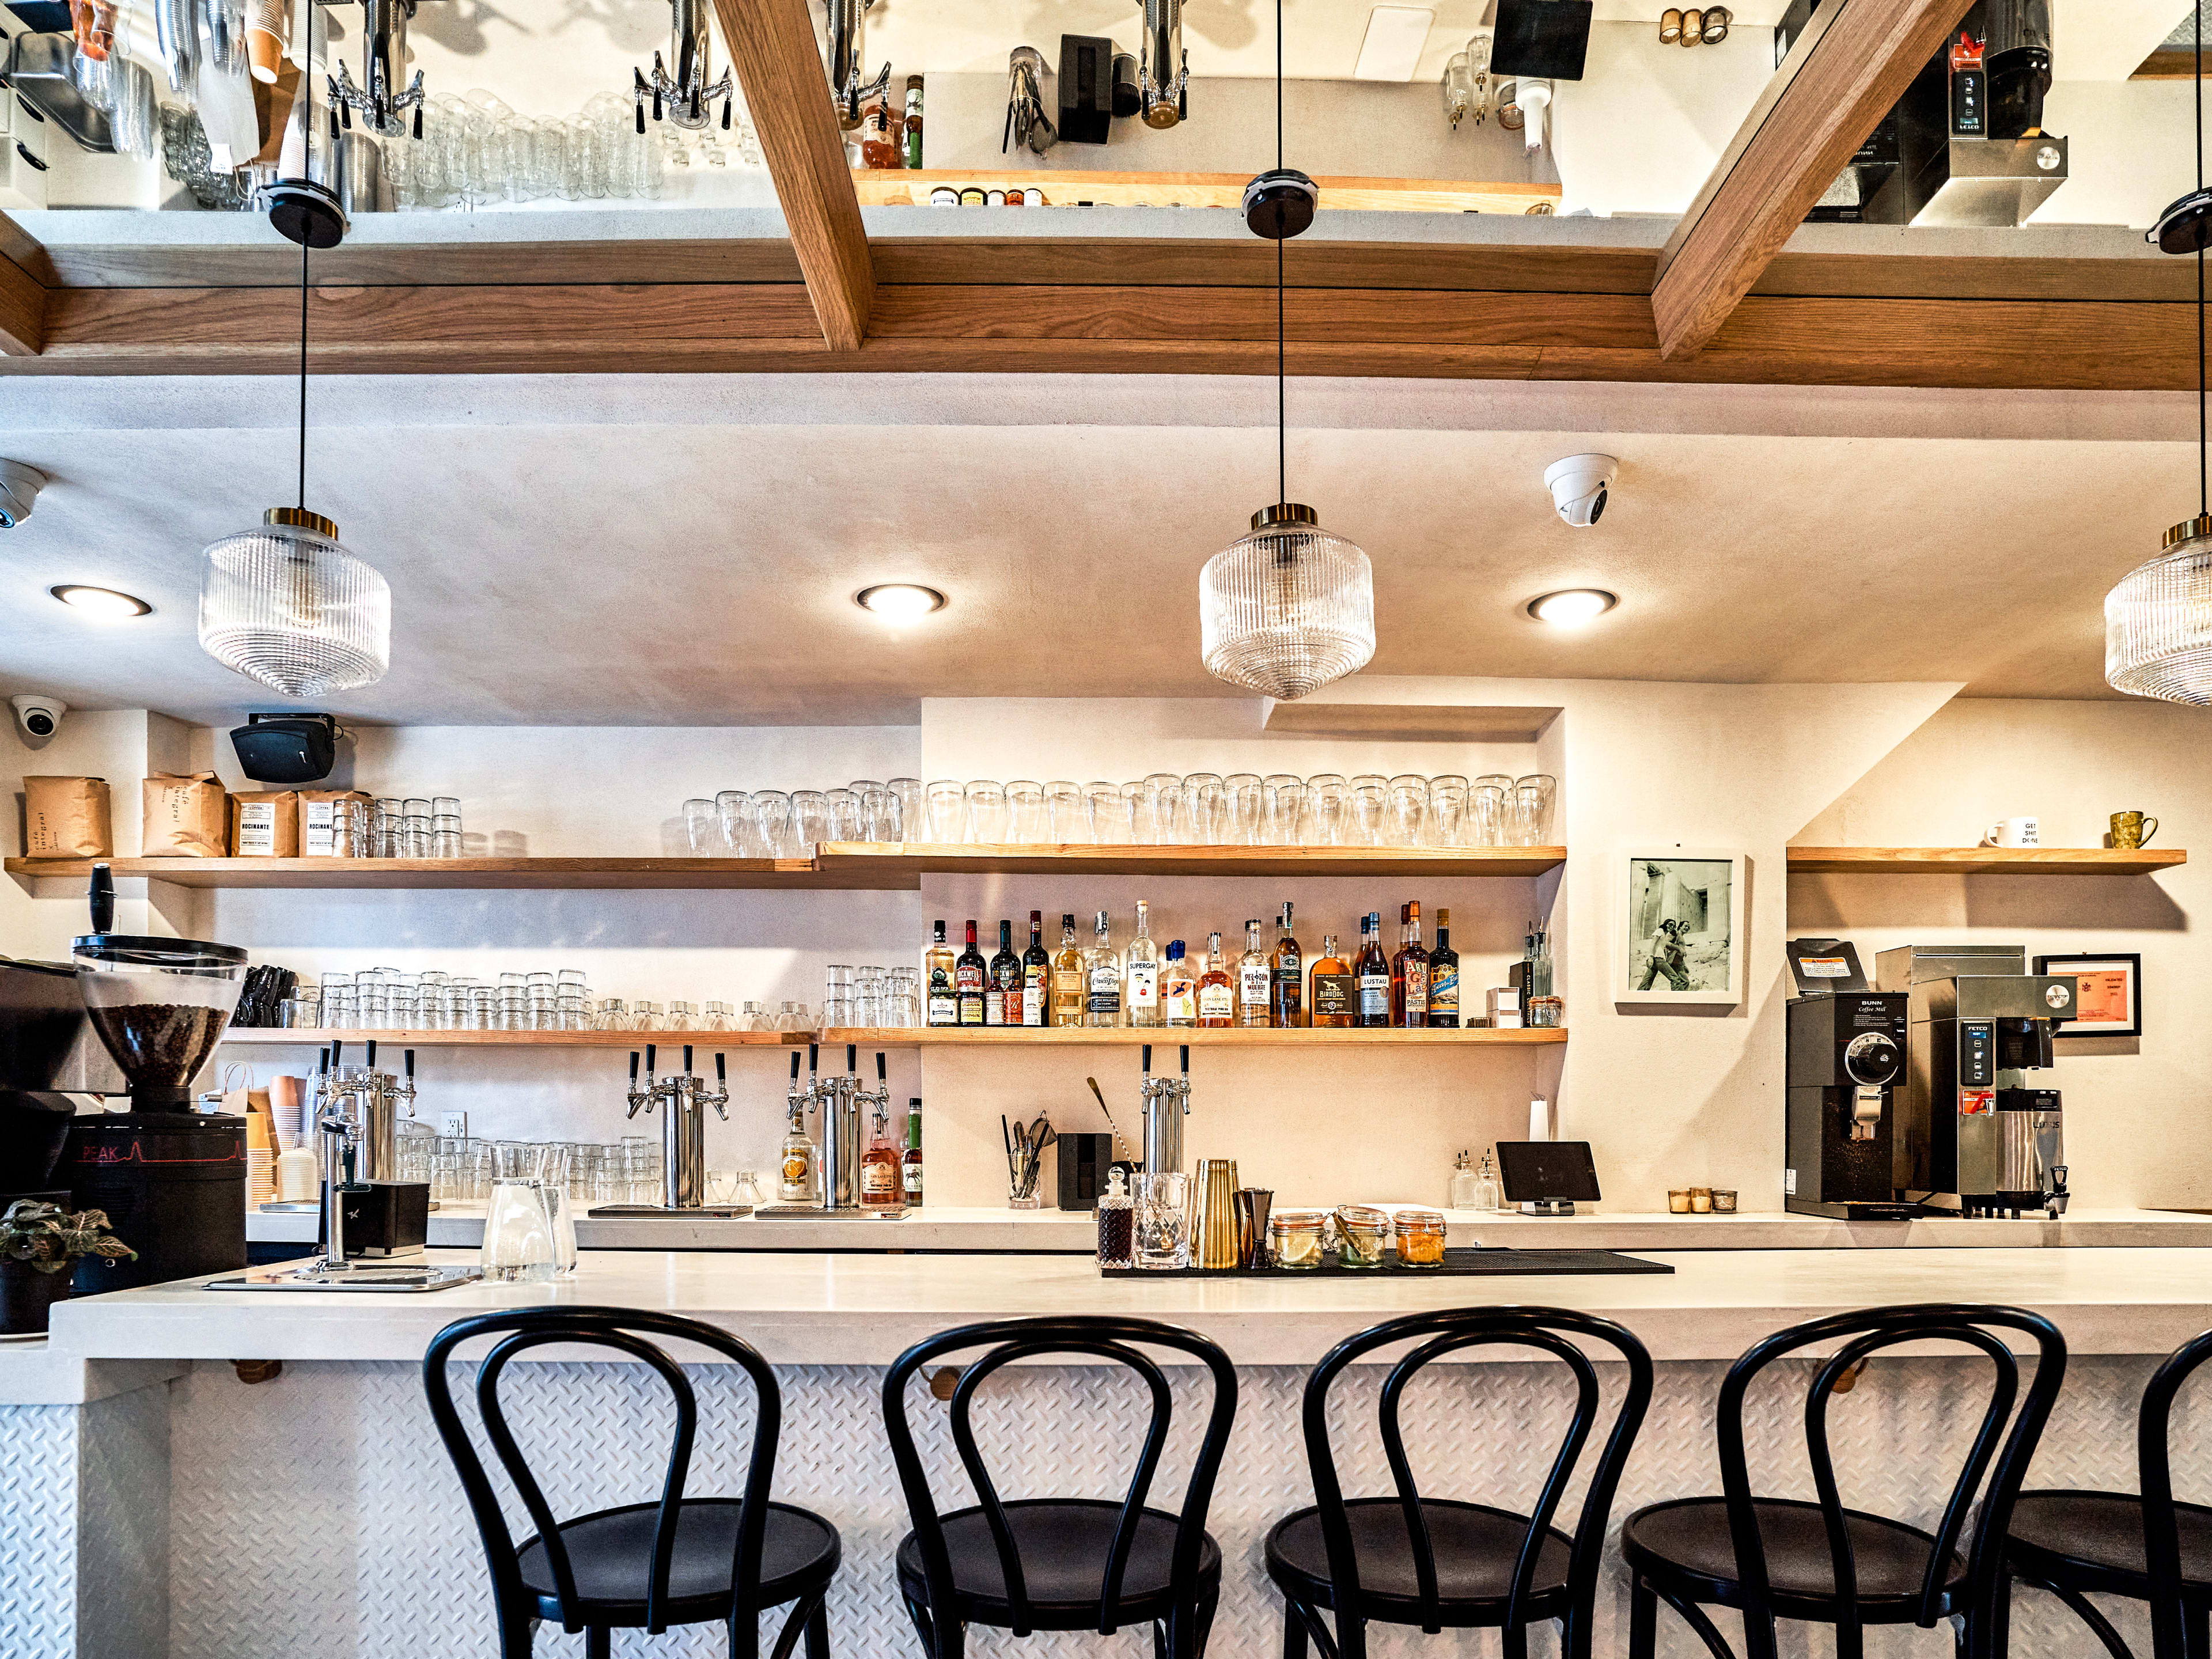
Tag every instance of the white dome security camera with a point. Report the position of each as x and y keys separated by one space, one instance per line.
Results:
x=1579 y=485
x=19 y=488
x=37 y=717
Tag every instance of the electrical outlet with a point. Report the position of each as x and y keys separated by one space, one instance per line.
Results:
x=454 y=1125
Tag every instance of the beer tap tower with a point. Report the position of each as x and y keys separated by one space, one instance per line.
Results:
x=1166 y=1104
x=682 y=1099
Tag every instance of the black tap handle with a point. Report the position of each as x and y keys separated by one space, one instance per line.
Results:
x=649 y=1048
x=880 y=1065
x=813 y=1054
x=641 y=117
x=687 y=1059
x=1186 y=1059
x=852 y=1056
x=721 y=1078
x=322 y=1066
x=408 y=1055
x=102 y=896
x=335 y=1061
x=372 y=1054
x=794 y=1067
x=418 y=120
x=1148 y=1057
x=725 y=115
x=633 y=1070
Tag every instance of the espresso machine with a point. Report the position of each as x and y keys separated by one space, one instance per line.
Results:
x=681 y=1099
x=1846 y=1047
x=1980 y=1133
x=1165 y=1102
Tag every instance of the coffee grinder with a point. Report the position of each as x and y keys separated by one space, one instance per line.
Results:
x=1847 y=1047
x=1981 y=1135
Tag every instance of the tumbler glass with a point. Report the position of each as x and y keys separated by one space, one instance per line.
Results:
x=1532 y=809
x=444 y=806
x=645 y=1017
x=1206 y=808
x=1448 y=812
x=733 y=811
x=912 y=809
x=1110 y=824
x=1486 y=801
x=753 y=1017
x=1068 y=813
x=702 y=828
x=445 y=838
x=1370 y=799
x=772 y=823
x=987 y=812
x=1029 y=818
x=810 y=820
x=613 y=1016
x=1282 y=809
x=1245 y=793
x=1161 y=817
x=845 y=820
x=683 y=1017
x=1409 y=819
x=1162 y=1220
x=417 y=830
x=948 y=813
x=880 y=814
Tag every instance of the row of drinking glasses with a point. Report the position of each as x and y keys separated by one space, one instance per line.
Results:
x=475 y=149
x=871 y=996
x=1202 y=809
x=392 y=999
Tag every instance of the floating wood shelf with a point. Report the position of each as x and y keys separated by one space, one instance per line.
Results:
x=270 y=1036
x=846 y=865
x=1982 y=860
x=898 y=188
x=1167 y=1038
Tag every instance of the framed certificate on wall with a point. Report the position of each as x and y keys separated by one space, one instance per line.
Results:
x=2108 y=994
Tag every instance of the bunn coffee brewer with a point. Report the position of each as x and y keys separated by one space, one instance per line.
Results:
x=1847 y=1047
x=1981 y=1134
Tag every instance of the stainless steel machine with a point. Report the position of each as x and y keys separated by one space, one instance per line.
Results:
x=1979 y=1132
x=1166 y=1103
x=841 y=1105
x=1846 y=1061
x=681 y=1099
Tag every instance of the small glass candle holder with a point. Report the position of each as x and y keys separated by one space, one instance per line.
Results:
x=1363 y=1233
x=1294 y=1239
x=1420 y=1238
x=1678 y=1200
x=1723 y=1201
x=1701 y=1200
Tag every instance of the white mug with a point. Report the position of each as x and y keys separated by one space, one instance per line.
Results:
x=2013 y=832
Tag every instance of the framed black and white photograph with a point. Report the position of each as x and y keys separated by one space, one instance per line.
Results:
x=2107 y=993
x=1679 y=928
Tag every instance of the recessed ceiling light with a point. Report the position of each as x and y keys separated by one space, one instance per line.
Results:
x=1572 y=607
x=899 y=601
x=102 y=602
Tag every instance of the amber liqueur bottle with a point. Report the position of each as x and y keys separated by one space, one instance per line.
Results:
x=1444 y=977
x=1335 y=997
x=1002 y=990
x=968 y=972
x=1409 y=972
x=1067 y=977
x=879 y=151
x=1290 y=979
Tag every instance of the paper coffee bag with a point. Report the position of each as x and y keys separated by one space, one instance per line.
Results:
x=187 y=815
x=265 y=825
x=66 y=818
x=326 y=831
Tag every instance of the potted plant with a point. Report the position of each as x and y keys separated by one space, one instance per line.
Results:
x=39 y=1245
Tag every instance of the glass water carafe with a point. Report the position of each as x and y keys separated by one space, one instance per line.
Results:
x=521 y=1243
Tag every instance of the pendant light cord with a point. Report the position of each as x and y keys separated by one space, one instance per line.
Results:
x=307 y=153
x=2203 y=493
x=1282 y=406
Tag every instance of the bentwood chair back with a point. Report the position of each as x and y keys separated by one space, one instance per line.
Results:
x=1413 y=1558
x=683 y=1560
x=2149 y=1549
x=1775 y=1558
x=1055 y=1563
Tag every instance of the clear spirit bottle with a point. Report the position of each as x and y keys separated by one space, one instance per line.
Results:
x=1255 y=979
x=1179 y=992
x=1102 y=971
x=1141 y=1000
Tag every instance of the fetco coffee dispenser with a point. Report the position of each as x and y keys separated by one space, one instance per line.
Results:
x=1980 y=1132
x=1847 y=1060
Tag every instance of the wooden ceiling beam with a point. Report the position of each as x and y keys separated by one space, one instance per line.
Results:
x=1846 y=68
x=772 y=43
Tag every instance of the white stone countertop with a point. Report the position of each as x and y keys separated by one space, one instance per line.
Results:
x=864 y=1309
x=942 y=1228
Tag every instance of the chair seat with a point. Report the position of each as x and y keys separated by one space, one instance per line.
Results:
x=1475 y=1547
x=610 y=1552
x=2094 y=1540
x=1685 y=1546
x=1062 y=1545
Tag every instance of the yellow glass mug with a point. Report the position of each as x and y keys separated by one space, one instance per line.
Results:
x=2132 y=830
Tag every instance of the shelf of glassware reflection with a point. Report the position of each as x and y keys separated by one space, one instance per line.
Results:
x=1983 y=860
x=1204 y=1036
x=278 y=1036
x=896 y=187
x=882 y=867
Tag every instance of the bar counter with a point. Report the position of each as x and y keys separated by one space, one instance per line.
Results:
x=316 y=1511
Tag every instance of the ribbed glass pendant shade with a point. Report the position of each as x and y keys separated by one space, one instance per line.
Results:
x=2158 y=622
x=288 y=606
x=1288 y=608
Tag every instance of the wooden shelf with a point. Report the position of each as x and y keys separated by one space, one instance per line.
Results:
x=1982 y=860
x=1167 y=1038
x=272 y=1037
x=838 y=865
x=1066 y=187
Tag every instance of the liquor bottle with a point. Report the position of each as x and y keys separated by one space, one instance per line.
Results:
x=1142 y=996
x=1179 y=989
x=943 y=1002
x=1255 y=979
x=878 y=153
x=1216 y=992
x=913 y=133
x=1409 y=975
x=883 y=1185
x=910 y=1168
x=1002 y=991
x=1102 y=975
x=1288 y=1007
x=1334 y=995
x=1444 y=977
x=1372 y=971
x=1037 y=975
x=794 y=1180
x=1067 y=998
x=967 y=974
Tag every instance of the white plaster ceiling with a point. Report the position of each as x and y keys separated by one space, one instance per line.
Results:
x=684 y=551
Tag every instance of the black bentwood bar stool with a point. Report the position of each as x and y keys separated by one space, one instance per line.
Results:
x=1437 y=1562
x=2146 y=1549
x=681 y=1561
x=1777 y=1558
x=1061 y=1563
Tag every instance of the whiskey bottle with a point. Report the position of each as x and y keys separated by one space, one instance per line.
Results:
x=1335 y=994
x=944 y=1003
x=1142 y=995
x=794 y=1180
x=1409 y=975
x=1255 y=979
x=1372 y=971
x=1217 y=992
x=1101 y=973
x=882 y=1181
x=1002 y=991
x=1288 y=1008
x=910 y=1167
x=1067 y=983
x=1444 y=977
x=1037 y=975
x=1179 y=989
x=877 y=152
x=967 y=974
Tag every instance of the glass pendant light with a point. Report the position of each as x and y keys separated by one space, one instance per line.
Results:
x=285 y=604
x=1289 y=607
x=2158 y=622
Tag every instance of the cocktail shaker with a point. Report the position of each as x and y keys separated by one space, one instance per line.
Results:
x=1213 y=1216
